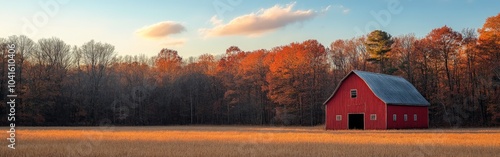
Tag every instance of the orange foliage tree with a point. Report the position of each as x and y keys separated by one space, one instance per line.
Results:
x=489 y=46
x=295 y=78
x=168 y=64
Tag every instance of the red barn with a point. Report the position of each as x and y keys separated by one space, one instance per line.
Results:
x=365 y=100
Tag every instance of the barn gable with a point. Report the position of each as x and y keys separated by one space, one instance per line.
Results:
x=392 y=90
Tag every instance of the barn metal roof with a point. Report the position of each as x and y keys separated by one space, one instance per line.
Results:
x=390 y=89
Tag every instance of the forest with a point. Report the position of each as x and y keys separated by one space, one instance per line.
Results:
x=457 y=71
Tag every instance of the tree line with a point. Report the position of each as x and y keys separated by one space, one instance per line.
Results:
x=458 y=72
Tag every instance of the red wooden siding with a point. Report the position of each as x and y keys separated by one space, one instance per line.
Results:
x=422 y=117
x=366 y=102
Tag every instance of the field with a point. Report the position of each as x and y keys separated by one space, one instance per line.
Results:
x=249 y=141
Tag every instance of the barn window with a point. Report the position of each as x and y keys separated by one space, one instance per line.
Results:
x=354 y=93
x=373 y=116
x=406 y=117
x=339 y=117
x=415 y=117
x=393 y=117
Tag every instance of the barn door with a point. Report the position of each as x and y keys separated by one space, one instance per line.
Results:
x=356 y=121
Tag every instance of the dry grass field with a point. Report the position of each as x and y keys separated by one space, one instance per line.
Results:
x=249 y=141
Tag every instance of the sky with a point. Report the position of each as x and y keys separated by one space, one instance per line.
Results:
x=201 y=27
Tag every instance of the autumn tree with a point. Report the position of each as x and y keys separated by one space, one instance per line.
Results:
x=281 y=76
x=348 y=55
x=437 y=65
x=227 y=69
x=457 y=72
x=489 y=43
x=339 y=51
x=489 y=46
x=251 y=79
x=445 y=45
x=318 y=79
x=167 y=68
x=423 y=71
x=295 y=80
x=468 y=51
x=167 y=63
x=207 y=64
x=378 y=44
x=404 y=55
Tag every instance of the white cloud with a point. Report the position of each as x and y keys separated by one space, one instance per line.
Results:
x=160 y=30
x=261 y=22
x=326 y=9
x=342 y=9
x=215 y=20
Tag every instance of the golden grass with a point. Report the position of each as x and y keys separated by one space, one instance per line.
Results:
x=250 y=141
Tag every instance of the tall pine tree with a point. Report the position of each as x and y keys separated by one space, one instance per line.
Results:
x=378 y=44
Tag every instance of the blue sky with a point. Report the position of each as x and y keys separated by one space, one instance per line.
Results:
x=211 y=26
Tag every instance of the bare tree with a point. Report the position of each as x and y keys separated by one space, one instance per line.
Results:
x=96 y=58
x=403 y=49
x=24 y=47
x=53 y=52
x=3 y=53
x=44 y=79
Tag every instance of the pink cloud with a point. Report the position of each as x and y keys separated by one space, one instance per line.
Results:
x=160 y=30
x=174 y=42
x=261 y=22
